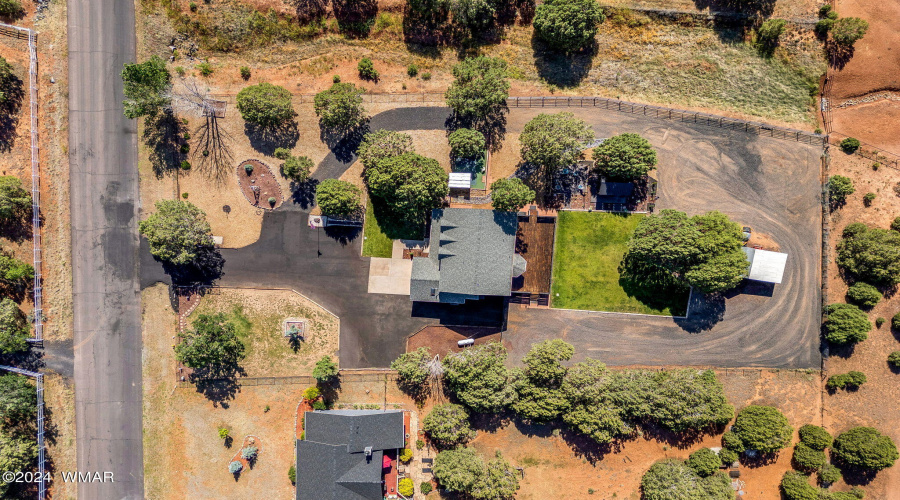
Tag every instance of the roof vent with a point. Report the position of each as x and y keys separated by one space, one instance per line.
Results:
x=368 y=451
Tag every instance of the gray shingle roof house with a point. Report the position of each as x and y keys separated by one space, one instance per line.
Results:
x=342 y=453
x=472 y=254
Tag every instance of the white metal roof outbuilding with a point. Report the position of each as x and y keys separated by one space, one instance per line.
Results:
x=765 y=265
x=460 y=180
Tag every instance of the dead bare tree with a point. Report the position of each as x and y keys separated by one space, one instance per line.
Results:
x=211 y=151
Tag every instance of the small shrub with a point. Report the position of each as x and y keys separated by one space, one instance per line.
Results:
x=824 y=10
x=406 y=455
x=223 y=433
x=849 y=380
x=311 y=393
x=336 y=79
x=180 y=70
x=248 y=168
x=808 y=459
x=863 y=295
x=770 y=31
x=846 y=324
x=868 y=199
x=412 y=70
x=319 y=405
x=895 y=224
x=302 y=435
x=235 y=467
x=879 y=321
x=728 y=457
x=823 y=26
x=245 y=72
x=11 y=8
x=282 y=153
x=894 y=359
x=850 y=145
x=192 y=6
x=876 y=166
x=420 y=444
x=839 y=188
x=425 y=487
x=185 y=165
x=184 y=195
x=266 y=409
x=818 y=131
x=205 y=69
x=895 y=321
x=297 y=168
x=292 y=474
x=187 y=136
x=272 y=200
x=185 y=148
x=828 y=474
x=366 y=69
x=249 y=453
x=426 y=76
x=405 y=487
x=815 y=437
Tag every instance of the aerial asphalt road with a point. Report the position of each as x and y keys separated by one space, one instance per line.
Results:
x=104 y=211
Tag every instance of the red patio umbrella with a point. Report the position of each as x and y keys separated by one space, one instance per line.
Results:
x=386 y=462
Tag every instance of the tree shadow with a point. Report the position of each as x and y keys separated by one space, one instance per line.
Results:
x=19 y=228
x=398 y=226
x=706 y=311
x=304 y=193
x=657 y=288
x=843 y=351
x=680 y=440
x=218 y=383
x=164 y=136
x=853 y=476
x=355 y=17
x=748 y=8
x=424 y=31
x=203 y=272
x=508 y=11
x=343 y=234
x=267 y=139
x=587 y=449
x=757 y=460
x=491 y=422
x=838 y=55
x=564 y=71
x=211 y=151
x=14 y=90
x=344 y=142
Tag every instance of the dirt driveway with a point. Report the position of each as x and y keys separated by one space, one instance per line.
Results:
x=772 y=186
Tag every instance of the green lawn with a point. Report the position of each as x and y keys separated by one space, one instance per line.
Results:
x=376 y=243
x=589 y=249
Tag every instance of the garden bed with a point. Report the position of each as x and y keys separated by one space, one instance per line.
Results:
x=269 y=195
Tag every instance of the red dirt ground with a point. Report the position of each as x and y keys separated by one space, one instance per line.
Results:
x=873 y=68
x=442 y=340
x=263 y=177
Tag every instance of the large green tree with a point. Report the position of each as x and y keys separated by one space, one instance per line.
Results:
x=458 y=469
x=479 y=378
x=17 y=453
x=870 y=254
x=211 y=342
x=10 y=84
x=265 y=105
x=448 y=425
x=475 y=15
x=12 y=9
x=567 y=25
x=553 y=141
x=380 y=144
x=498 y=481
x=674 y=480
x=18 y=403
x=846 y=324
x=410 y=184
x=865 y=448
x=15 y=201
x=337 y=197
x=539 y=396
x=763 y=428
x=325 y=370
x=412 y=369
x=586 y=385
x=704 y=250
x=13 y=328
x=479 y=89
x=466 y=143
x=626 y=156
x=14 y=272
x=510 y=194
x=147 y=87
x=839 y=188
x=340 y=107
x=177 y=231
